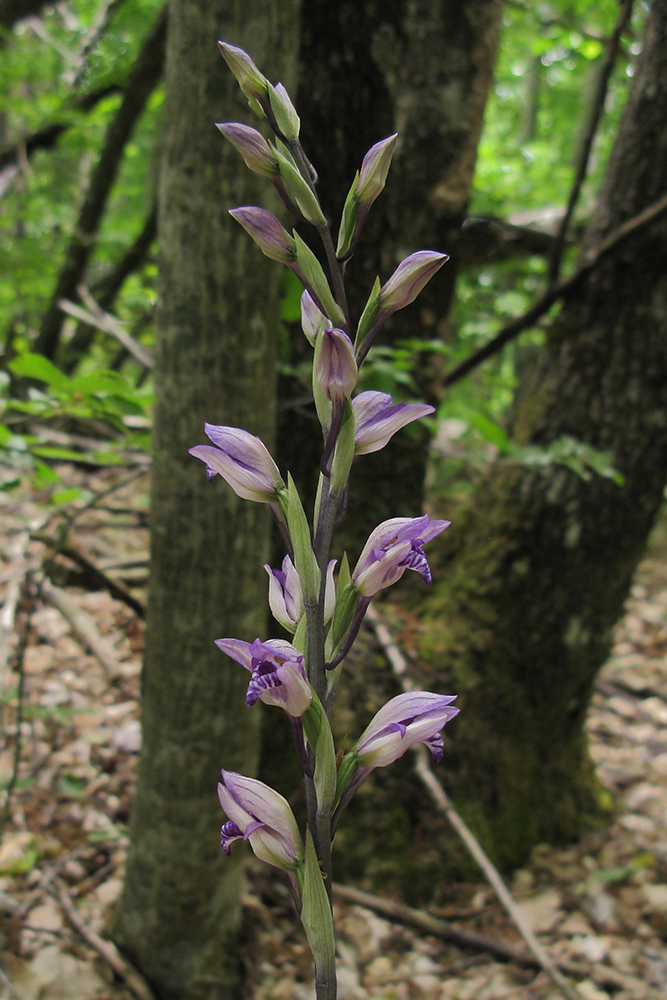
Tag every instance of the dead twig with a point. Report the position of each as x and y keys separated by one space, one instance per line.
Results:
x=95 y=316
x=424 y=772
x=84 y=627
x=32 y=593
x=97 y=576
x=133 y=979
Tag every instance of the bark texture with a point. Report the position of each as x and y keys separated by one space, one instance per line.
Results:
x=537 y=570
x=368 y=69
x=215 y=361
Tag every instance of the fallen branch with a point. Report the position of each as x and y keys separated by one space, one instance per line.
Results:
x=97 y=576
x=399 y=666
x=132 y=978
x=435 y=927
x=84 y=627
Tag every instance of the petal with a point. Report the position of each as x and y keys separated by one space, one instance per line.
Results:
x=237 y=649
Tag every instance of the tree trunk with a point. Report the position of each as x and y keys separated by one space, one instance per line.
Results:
x=215 y=361
x=368 y=69
x=538 y=568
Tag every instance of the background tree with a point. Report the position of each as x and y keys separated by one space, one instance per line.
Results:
x=216 y=361
x=536 y=572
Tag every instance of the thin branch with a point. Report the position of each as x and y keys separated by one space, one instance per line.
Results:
x=97 y=576
x=585 y=153
x=32 y=593
x=141 y=83
x=109 y=285
x=602 y=975
x=101 y=320
x=424 y=772
x=133 y=979
x=85 y=629
x=558 y=291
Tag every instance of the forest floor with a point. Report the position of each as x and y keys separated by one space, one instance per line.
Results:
x=70 y=658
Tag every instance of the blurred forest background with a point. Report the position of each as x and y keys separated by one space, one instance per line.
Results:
x=130 y=312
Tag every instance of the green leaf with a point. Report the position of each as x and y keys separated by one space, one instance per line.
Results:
x=304 y=557
x=38 y=367
x=316 y=915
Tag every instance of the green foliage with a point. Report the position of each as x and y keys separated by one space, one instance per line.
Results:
x=42 y=77
x=103 y=400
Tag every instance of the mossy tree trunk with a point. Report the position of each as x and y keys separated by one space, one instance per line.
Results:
x=215 y=361
x=367 y=69
x=538 y=568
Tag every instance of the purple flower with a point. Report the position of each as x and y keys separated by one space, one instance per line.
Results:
x=374 y=170
x=312 y=320
x=335 y=365
x=376 y=419
x=253 y=83
x=259 y=814
x=393 y=547
x=242 y=460
x=286 y=595
x=278 y=674
x=253 y=147
x=266 y=231
x=408 y=280
x=415 y=717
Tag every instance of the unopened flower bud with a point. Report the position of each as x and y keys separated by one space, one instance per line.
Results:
x=374 y=170
x=284 y=112
x=335 y=365
x=407 y=281
x=267 y=233
x=253 y=83
x=253 y=147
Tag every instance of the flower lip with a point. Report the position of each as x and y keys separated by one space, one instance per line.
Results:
x=278 y=673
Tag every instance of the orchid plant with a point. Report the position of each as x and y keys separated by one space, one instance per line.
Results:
x=321 y=610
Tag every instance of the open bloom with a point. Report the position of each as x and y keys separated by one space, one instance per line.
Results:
x=259 y=814
x=278 y=674
x=377 y=418
x=392 y=547
x=414 y=717
x=286 y=595
x=242 y=460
